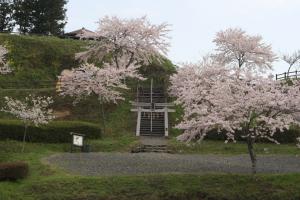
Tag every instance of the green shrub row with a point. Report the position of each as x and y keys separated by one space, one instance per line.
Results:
x=54 y=132
x=288 y=136
x=13 y=171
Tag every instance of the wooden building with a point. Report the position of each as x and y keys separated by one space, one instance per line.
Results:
x=77 y=34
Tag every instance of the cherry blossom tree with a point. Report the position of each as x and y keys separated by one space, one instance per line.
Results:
x=4 y=66
x=292 y=59
x=135 y=40
x=104 y=82
x=242 y=51
x=121 y=46
x=34 y=110
x=252 y=107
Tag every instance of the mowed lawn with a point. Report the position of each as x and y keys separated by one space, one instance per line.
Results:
x=48 y=183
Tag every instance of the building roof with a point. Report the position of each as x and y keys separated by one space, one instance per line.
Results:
x=77 y=34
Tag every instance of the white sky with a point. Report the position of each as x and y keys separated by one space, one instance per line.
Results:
x=195 y=22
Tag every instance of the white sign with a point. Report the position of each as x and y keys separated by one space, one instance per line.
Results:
x=78 y=140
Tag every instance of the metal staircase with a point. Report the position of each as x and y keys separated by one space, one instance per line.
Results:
x=152 y=111
x=154 y=126
x=152 y=123
x=144 y=95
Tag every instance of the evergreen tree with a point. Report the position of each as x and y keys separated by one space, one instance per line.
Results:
x=23 y=14
x=49 y=17
x=6 y=18
x=40 y=16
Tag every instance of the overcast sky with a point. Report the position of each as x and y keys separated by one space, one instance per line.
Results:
x=195 y=22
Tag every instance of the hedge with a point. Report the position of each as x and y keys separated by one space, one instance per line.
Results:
x=54 y=132
x=288 y=136
x=13 y=171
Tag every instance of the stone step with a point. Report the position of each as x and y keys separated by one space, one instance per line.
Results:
x=153 y=126
x=155 y=146
x=151 y=148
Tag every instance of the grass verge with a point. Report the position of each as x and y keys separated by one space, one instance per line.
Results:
x=154 y=187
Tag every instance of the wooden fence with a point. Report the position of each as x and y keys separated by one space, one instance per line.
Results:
x=288 y=75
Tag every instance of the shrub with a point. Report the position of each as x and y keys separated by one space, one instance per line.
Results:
x=54 y=132
x=13 y=171
x=288 y=136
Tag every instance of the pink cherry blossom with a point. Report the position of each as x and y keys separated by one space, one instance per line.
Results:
x=137 y=39
x=107 y=82
x=242 y=51
x=213 y=99
x=34 y=110
x=4 y=66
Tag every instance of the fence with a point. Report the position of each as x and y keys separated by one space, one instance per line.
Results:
x=288 y=75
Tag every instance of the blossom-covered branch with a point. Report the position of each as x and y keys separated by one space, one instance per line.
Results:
x=4 y=66
x=252 y=107
x=242 y=51
x=136 y=39
x=212 y=98
x=106 y=82
x=33 y=110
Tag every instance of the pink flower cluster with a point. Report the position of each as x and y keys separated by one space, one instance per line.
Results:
x=4 y=66
x=136 y=39
x=121 y=46
x=107 y=82
x=251 y=104
x=33 y=110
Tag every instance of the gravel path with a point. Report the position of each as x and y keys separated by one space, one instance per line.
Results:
x=94 y=164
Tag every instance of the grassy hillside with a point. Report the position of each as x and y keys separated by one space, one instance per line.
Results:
x=37 y=61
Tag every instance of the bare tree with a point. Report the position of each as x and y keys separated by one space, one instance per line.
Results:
x=292 y=59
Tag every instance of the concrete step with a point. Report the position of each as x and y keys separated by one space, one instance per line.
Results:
x=151 y=148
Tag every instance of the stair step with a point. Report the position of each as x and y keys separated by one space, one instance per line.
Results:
x=155 y=149
x=158 y=121
x=151 y=148
x=149 y=145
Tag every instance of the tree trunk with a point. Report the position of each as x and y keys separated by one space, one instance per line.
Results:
x=24 y=138
x=288 y=72
x=103 y=116
x=252 y=154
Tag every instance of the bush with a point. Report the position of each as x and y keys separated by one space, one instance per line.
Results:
x=54 y=132
x=13 y=171
x=288 y=136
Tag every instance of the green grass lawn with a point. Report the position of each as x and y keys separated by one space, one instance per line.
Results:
x=49 y=183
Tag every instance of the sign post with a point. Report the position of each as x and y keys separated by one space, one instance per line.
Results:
x=78 y=140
